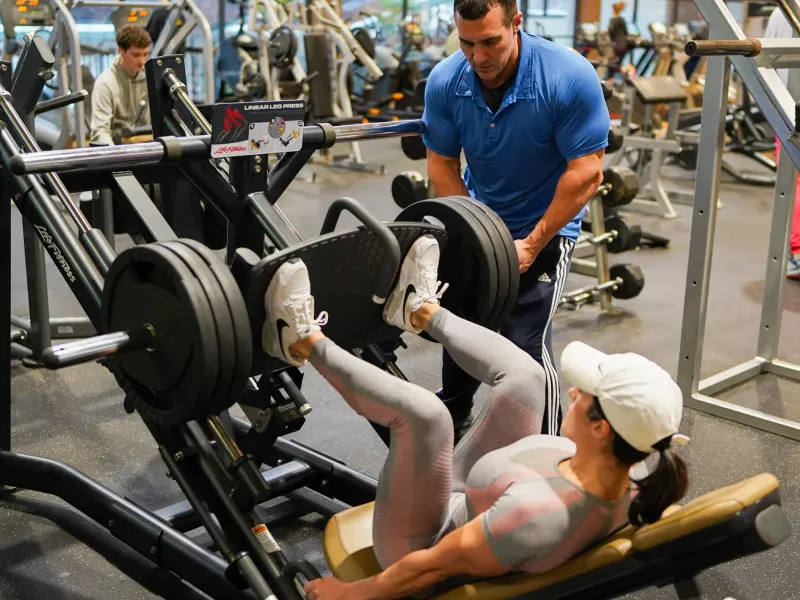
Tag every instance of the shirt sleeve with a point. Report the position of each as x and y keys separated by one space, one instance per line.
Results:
x=441 y=134
x=102 y=115
x=582 y=120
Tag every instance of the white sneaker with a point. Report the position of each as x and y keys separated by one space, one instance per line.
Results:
x=416 y=285
x=290 y=311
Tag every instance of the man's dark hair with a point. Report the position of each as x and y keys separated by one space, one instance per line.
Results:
x=133 y=36
x=472 y=10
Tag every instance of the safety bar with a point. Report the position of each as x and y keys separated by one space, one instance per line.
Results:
x=171 y=149
x=750 y=48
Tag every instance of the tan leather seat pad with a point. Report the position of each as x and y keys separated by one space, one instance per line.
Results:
x=348 y=541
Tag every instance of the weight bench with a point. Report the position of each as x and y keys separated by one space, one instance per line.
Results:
x=723 y=525
x=650 y=92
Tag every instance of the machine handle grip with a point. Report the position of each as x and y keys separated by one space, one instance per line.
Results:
x=385 y=279
x=751 y=48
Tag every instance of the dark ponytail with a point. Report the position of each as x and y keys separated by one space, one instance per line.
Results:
x=664 y=486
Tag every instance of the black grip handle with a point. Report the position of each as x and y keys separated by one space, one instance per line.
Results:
x=302 y=567
x=385 y=279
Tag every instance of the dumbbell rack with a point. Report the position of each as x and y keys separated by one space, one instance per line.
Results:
x=621 y=281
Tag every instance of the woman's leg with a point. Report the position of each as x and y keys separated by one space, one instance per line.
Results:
x=516 y=401
x=415 y=482
x=516 y=404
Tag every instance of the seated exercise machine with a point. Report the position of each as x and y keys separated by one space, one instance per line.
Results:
x=180 y=331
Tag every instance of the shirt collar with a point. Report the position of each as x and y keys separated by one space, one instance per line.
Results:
x=523 y=84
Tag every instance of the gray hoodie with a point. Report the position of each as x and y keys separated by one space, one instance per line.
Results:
x=116 y=101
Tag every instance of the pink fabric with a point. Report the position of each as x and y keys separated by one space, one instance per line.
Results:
x=794 y=241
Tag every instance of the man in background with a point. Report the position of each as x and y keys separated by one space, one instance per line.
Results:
x=119 y=98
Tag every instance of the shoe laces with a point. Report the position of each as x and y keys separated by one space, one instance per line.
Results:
x=431 y=285
x=303 y=312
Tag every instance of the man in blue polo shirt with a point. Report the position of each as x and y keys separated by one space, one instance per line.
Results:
x=532 y=122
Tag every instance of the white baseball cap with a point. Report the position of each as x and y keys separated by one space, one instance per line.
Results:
x=640 y=400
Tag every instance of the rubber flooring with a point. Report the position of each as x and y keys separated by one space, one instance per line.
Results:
x=49 y=551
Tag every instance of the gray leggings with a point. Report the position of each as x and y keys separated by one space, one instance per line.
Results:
x=422 y=470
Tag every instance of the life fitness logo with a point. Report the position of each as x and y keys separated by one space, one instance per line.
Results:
x=233 y=127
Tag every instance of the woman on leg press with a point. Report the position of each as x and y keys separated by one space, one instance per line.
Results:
x=507 y=499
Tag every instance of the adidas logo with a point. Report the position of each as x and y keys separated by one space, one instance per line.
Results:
x=544 y=277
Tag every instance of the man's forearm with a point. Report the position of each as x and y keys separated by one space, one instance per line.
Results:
x=447 y=180
x=573 y=192
x=413 y=573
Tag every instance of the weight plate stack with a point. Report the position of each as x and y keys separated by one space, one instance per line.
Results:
x=468 y=261
x=220 y=314
x=243 y=355
x=511 y=254
x=176 y=381
x=500 y=255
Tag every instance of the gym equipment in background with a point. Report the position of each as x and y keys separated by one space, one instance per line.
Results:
x=755 y=61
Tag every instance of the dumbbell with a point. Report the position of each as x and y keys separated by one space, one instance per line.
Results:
x=620 y=186
x=619 y=236
x=626 y=282
x=615 y=140
x=413 y=147
x=408 y=187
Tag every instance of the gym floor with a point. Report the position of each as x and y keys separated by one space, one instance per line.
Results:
x=76 y=415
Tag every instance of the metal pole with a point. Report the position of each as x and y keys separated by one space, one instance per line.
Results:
x=5 y=310
x=38 y=305
x=74 y=45
x=372 y=131
x=111 y=3
x=600 y=252
x=780 y=231
x=30 y=145
x=208 y=48
x=750 y=48
x=791 y=11
x=196 y=147
x=701 y=247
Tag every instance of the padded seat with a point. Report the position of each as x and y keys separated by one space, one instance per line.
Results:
x=659 y=90
x=630 y=555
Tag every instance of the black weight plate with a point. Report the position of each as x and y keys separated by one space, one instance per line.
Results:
x=149 y=284
x=511 y=252
x=222 y=322
x=414 y=147
x=282 y=47
x=408 y=187
x=465 y=262
x=241 y=323
x=500 y=256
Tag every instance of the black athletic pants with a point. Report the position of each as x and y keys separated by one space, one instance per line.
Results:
x=528 y=326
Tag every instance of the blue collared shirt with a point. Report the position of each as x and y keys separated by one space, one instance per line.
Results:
x=554 y=113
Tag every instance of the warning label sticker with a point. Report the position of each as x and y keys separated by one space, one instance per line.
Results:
x=265 y=538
